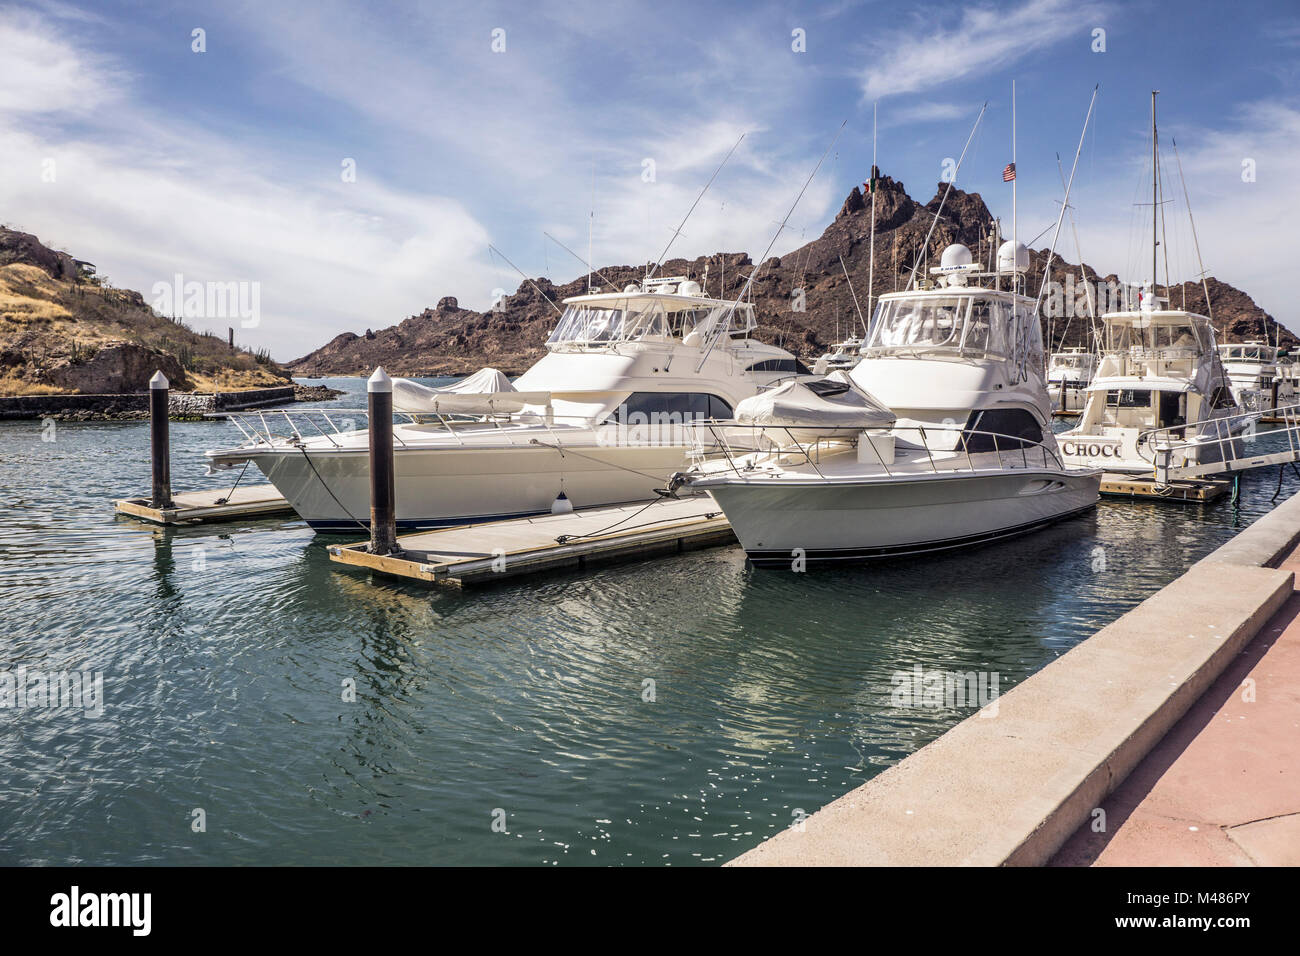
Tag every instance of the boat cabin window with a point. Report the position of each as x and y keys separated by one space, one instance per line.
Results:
x=1129 y=398
x=1128 y=408
x=994 y=429
x=791 y=365
x=641 y=408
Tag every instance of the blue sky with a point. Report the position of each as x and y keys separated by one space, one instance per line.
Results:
x=226 y=164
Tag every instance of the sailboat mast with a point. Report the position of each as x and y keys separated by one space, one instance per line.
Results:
x=871 y=262
x=1015 y=241
x=1155 y=175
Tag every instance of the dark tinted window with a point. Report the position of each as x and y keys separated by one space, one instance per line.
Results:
x=681 y=406
x=1019 y=427
x=791 y=365
x=1129 y=398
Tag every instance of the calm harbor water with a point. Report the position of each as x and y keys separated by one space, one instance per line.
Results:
x=225 y=651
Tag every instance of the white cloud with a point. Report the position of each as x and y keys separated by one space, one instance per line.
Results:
x=149 y=196
x=1245 y=229
x=923 y=55
x=41 y=73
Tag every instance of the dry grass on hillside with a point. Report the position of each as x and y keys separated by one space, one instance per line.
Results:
x=44 y=320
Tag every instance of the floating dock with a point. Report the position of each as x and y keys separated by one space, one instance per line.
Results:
x=1139 y=486
x=497 y=550
x=213 y=504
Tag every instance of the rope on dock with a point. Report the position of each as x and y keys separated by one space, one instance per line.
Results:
x=566 y=538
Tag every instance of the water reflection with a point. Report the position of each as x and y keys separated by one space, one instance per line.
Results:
x=226 y=652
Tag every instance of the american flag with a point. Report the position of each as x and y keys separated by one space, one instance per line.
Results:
x=1009 y=173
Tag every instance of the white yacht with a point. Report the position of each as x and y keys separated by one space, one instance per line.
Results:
x=1259 y=384
x=1160 y=385
x=1068 y=375
x=1159 y=379
x=598 y=420
x=940 y=437
x=842 y=355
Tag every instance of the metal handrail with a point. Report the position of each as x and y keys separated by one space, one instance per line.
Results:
x=1290 y=415
x=258 y=425
x=850 y=433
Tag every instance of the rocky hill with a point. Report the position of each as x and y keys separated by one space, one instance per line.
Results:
x=63 y=329
x=449 y=340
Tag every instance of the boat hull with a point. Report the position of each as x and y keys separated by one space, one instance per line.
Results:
x=781 y=522
x=444 y=486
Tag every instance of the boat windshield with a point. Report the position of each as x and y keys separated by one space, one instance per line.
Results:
x=969 y=324
x=588 y=325
x=1071 y=360
x=1248 y=353
x=1187 y=338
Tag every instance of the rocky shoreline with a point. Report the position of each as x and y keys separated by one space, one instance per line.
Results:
x=134 y=406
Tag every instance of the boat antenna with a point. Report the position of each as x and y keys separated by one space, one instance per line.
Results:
x=591 y=222
x=852 y=293
x=726 y=319
x=1047 y=269
x=1015 y=179
x=585 y=262
x=526 y=279
x=1195 y=241
x=912 y=277
x=678 y=231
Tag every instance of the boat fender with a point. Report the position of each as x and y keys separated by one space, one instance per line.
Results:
x=561 y=505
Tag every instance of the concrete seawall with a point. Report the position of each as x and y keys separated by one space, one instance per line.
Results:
x=1009 y=785
x=136 y=404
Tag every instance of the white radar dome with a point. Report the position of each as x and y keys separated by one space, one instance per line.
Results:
x=631 y=288
x=689 y=287
x=955 y=255
x=1013 y=256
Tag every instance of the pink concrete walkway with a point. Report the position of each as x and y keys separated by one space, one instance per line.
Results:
x=1223 y=787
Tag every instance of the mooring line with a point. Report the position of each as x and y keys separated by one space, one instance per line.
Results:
x=360 y=524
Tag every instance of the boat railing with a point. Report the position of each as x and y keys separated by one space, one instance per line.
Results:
x=268 y=427
x=762 y=446
x=1181 y=446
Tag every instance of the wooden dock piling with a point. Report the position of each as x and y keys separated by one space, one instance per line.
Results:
x=383 y=505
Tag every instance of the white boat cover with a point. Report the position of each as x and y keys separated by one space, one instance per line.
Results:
x=486 y=392
x=826 y=407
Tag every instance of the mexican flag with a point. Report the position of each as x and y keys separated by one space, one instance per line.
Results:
x=871 y=185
